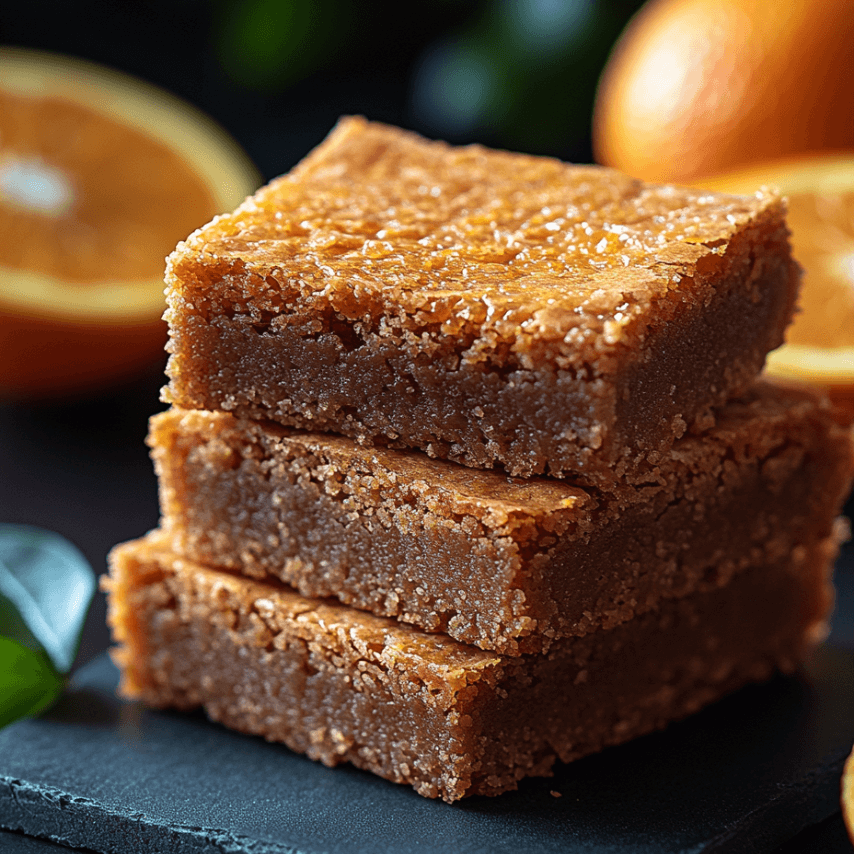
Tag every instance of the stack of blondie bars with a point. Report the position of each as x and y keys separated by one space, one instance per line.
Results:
x=468 y=468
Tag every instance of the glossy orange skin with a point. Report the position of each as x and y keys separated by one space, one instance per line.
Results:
x=696 y=87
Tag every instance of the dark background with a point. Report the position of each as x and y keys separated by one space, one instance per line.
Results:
x=277 y=74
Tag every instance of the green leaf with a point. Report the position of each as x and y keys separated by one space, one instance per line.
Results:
x=46 y=586
x=28 y=682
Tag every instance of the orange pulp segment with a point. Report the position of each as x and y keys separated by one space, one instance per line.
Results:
x=820 y=192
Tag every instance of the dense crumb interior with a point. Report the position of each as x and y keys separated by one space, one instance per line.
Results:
x=654 y=532
x=485 y=307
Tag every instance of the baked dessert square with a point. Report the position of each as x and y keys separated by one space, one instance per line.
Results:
x=490 y=308
x=502 y=563
x=449 y=719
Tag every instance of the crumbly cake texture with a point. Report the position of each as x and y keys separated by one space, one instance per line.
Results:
x=449 y=719
x=487 y=307
x=505 y=564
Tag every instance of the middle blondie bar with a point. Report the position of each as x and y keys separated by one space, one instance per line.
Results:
x=505 y=564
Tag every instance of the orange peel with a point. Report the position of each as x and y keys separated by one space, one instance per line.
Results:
x=848 y=795
x=694 y=87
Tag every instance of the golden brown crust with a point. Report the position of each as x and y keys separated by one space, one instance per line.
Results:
x=383 y=218
x=486 y=307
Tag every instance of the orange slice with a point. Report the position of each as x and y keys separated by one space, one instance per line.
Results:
x=820 y=191
x=100 y=176
x=848 y=795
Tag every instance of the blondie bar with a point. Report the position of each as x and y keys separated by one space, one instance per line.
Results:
x=486 y=307
x=502 y=563
x=449 y=719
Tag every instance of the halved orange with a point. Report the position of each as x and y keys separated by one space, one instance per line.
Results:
x=820 y=190
x=100 y=176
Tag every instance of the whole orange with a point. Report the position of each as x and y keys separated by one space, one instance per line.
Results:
x=696 y=87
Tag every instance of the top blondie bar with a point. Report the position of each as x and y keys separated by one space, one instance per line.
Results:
x=492 y=308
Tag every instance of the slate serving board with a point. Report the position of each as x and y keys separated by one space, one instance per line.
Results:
x=745 y=775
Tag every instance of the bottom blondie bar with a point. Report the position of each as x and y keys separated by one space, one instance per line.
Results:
x=449 y=719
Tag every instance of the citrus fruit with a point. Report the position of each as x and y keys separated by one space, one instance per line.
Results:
x=695 y=87
x=820 y=190
x=100 y=176
x=848 y=795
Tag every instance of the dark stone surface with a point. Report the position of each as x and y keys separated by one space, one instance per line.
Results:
x=745 y=775
x=17 y=843
x=827 y=837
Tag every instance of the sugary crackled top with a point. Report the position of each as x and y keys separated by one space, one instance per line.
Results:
x=378 y=217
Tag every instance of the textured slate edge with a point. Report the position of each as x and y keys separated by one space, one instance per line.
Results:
x=49 y=813
x=802 y=803
x=805 y=796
